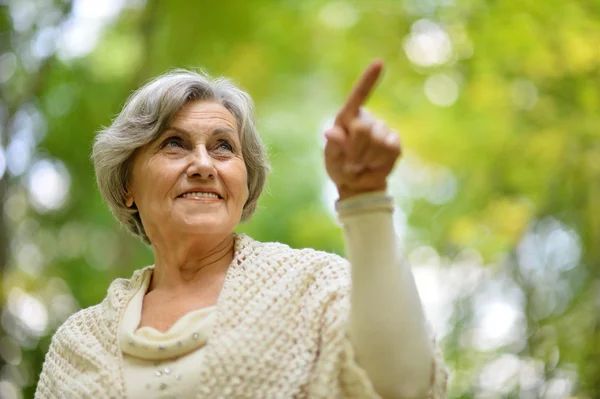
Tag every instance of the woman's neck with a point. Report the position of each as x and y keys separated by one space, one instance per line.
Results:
x=180 y=264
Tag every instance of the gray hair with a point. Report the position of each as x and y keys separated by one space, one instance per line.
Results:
x=146 y=114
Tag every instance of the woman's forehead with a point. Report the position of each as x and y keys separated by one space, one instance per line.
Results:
x=204 y=112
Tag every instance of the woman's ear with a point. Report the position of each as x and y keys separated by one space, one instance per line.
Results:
x=129 y=200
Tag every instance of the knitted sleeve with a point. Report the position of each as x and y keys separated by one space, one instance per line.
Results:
x=81 y=360
x=60 y=365
x=337 y=373
x=47 y=383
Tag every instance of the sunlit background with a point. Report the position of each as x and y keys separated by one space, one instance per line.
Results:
x=498 y=192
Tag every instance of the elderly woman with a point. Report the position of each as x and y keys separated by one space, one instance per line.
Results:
x=220 y=315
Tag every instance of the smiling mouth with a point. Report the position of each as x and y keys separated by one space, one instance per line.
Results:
x=199 y=195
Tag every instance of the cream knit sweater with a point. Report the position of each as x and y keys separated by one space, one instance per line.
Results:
x=280 y=332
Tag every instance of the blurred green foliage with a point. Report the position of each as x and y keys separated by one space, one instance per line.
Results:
x=498 y=105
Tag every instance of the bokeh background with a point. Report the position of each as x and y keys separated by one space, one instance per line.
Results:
x=498 y=193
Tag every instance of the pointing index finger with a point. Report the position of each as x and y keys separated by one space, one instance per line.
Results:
x=360 y=92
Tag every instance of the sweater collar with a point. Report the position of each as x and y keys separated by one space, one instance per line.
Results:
x=121 y=291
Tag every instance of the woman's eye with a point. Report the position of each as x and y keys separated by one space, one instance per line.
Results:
x=173 y=142
x=226 y=146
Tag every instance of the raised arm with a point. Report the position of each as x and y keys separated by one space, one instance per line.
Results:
x=387 y=325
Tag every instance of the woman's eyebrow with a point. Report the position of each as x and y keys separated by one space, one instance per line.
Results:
x=223 y=130
x=178 y=130
x=216 y=131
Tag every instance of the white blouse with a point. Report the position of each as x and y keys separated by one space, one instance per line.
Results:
x=161 y=365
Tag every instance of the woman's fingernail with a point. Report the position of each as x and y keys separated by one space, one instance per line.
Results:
x=366 y=117
x=328 y=134
x=353 y=168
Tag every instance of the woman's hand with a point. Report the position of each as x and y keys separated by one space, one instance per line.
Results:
x=360 y=151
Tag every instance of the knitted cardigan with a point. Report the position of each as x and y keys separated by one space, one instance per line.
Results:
x=280 y=332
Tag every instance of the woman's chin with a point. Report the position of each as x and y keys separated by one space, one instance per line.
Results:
x=202 y=224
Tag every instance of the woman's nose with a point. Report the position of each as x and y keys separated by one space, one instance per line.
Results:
x=201 y=164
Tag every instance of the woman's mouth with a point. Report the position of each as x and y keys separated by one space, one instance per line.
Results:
x=200 y=195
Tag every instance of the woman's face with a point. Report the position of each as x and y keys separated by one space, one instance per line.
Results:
x=192 y=179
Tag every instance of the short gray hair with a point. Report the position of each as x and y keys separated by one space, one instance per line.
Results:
x=146 y=114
